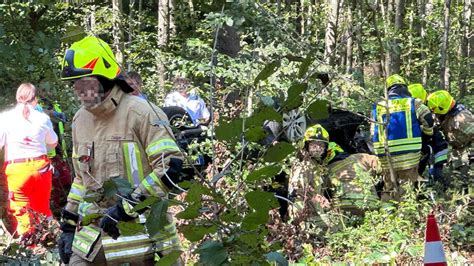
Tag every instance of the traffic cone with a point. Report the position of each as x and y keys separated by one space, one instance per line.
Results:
x=434 y=253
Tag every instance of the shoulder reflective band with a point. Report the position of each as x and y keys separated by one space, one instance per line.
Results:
x=150 y=181
x=77 y=192
x=441 y=156
x=161 y=145
x=133 y=163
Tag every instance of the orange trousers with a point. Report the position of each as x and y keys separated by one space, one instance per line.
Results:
x=29 y=189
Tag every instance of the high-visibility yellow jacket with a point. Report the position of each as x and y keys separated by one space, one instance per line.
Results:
x=120 y=137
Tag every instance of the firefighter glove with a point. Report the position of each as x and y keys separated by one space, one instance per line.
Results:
x=68 y=227
x=114 y=215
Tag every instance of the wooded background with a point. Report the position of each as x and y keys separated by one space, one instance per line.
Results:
x=222 y=46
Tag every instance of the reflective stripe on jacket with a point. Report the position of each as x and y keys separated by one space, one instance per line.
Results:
x=404 y=133
x=353 y=181
x=120 y=137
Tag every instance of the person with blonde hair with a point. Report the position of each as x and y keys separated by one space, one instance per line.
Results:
x=26 y=136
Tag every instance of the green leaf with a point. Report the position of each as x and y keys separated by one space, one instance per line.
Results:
x=255 y=133
x=144 y=204
x=117 y=185
x=278 y=258
x=319 y=109
x=88 y=219
x=229 y=131
x=250 y=239
x=261 y=200
x=264 y=172
x=169 y=259
x=73 y=34
x=295 y=96
x=190 y=212
x=156 y=219
x=230 y=216
x=195 y=192
x=267 y=71
x=278 y=152
x=109 y=188
x=196 y=232
x=254 y=219
x=212 y=253
x=305 y=65
x=130 y=228
x=265 y=113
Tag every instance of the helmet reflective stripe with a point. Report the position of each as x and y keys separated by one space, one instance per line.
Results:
x=316 y=132
x=440 y=102
x=395 y=79
x=89 y=57
x=417 y=91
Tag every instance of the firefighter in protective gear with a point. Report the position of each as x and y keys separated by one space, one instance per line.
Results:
x=114 y=135
x=307 y=185
x=434 y=150
x=409 y=118
x=457 y=124
x=349 y=180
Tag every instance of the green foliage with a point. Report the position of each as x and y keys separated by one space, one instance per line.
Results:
x=117 y=185
x=264 y=172
x=212 y=253
x=156 y=219
x=278 y=152
x=279 y=62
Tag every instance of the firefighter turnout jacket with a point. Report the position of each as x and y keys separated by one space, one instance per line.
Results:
x=120 y=137
x=353 y=182
x=408 y=118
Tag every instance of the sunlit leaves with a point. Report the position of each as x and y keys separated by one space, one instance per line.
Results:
x=88 y=219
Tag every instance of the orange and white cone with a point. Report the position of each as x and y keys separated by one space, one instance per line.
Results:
x=434 y=252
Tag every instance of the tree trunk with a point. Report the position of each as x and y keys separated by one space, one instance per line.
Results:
x=130 y=30
x=379 y=37
x=422 y=14
x=465 y=72
x=444 y=68
x=139 y=16
x=394 y=51
x=162 y=41
x=117 y=30
x=92 y=19
x=358 y=39
x=331 y=32
x=172 y=25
